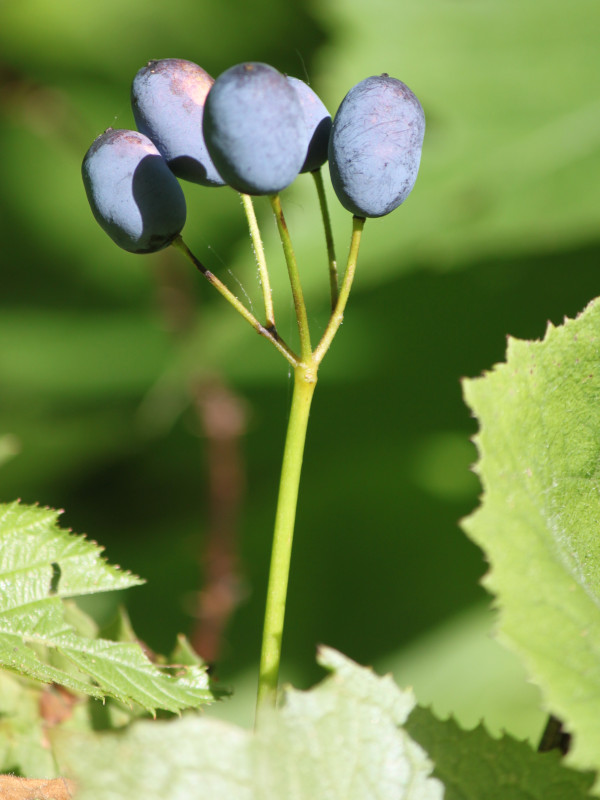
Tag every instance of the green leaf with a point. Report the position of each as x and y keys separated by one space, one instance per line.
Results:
x=472 y=764
x=457 y=669
x=23 y=748
x=40 y=564
x=339 y=741
x=342 y=740
x=539 y=441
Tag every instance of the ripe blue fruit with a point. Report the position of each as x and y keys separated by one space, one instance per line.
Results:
x=375 y=146
x=254 y=129
x=318 y=124
x=133 y=194
x=167 y=98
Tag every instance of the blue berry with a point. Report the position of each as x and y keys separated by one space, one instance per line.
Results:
x=167 y=98
x=375 y=146
x=134 y=196
x=318 y=125
x=254 y=129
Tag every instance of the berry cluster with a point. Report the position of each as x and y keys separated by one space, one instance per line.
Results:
x=255 y=130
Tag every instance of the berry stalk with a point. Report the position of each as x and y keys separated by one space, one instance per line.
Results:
x=294 y=274
x=333 y=273
x=269 y=333
x=337 y=314
x=261 y=263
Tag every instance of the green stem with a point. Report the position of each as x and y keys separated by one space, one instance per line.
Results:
x=261 y=262
x=304 y=385
x=337 y=315
x=290 y=259
x=333 y=272
x=269 y=333
x=305 y=379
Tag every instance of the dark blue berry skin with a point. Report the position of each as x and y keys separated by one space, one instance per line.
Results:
x=318 y=125
x=133 y=194
x=254 y=129
x=167 y=99
x=375 y=146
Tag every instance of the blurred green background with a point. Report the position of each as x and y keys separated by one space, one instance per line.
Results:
x=133 y=397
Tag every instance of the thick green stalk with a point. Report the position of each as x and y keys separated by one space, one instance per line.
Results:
x=304 y=385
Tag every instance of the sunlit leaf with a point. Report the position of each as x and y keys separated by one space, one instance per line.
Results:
x=539 y=439
x=40 y=565
x=339 y=741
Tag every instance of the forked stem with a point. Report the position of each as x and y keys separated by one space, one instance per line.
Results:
x=305 y=380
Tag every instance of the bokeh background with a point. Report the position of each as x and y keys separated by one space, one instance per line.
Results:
x=134 y=398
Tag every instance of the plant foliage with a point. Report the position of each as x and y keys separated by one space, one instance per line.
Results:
x=539 y=441
x=42 y=565
x=472 y=764
x=342 y=740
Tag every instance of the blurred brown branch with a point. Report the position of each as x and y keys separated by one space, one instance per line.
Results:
x=223 y=416
x=44 y=109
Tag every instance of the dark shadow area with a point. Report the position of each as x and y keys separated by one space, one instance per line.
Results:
x=318 y=146
x=161 y=203
x=188 y=169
